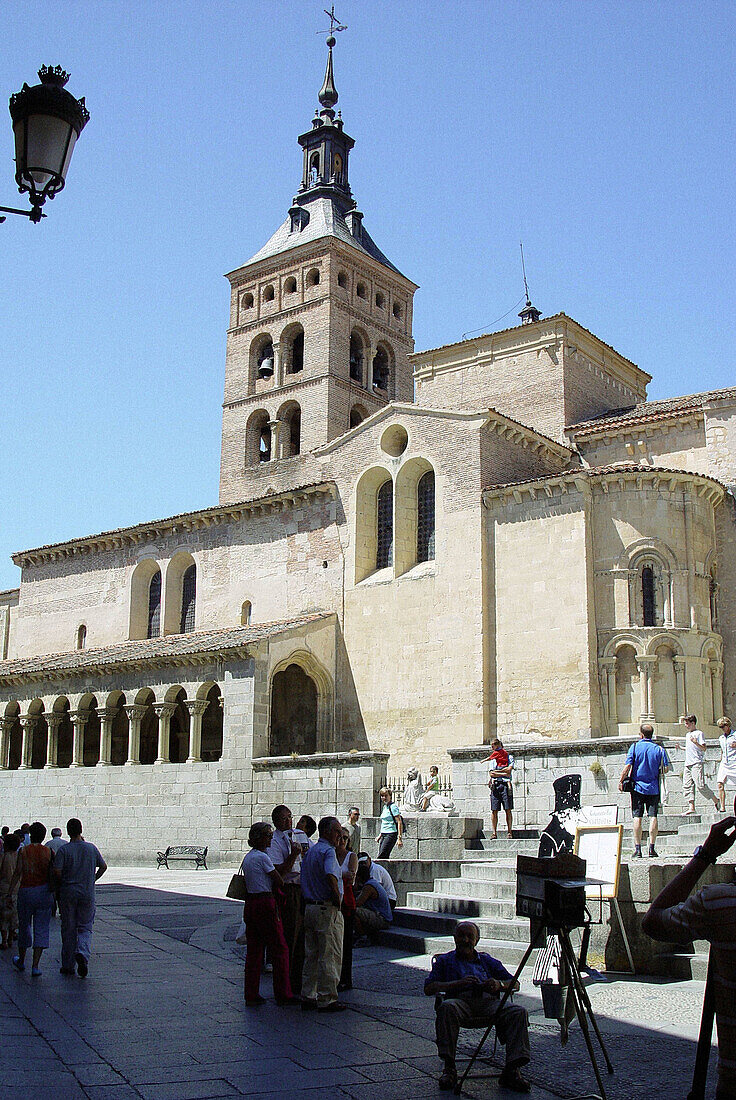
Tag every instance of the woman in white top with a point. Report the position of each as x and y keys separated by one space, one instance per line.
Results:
x=727 y=766
x=262 y=921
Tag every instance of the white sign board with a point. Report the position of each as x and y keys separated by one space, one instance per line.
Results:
x=598 y=815
x=600 y=847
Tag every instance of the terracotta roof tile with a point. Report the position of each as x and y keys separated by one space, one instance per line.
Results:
x=647 y=411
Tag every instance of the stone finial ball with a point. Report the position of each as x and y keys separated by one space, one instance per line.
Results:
x=330 y=41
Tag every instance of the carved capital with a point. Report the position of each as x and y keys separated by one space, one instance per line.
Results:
x=135 y=711
x=197 y=706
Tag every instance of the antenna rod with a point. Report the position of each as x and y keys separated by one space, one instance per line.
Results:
x=523 y=270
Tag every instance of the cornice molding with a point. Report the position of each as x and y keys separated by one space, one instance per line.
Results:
x=587 y=481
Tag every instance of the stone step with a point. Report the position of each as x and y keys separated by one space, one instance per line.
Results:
x=419 y=941
x=487 y=872
x=464 y=906
x=442 y=914
x=486 y=889
x=529 y=846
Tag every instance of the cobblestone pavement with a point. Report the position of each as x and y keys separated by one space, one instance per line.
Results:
x=161 y=1017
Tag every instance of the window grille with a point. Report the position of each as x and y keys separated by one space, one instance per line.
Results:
x=385 y=526
x=154 y=606
x=188 y=599
x=647 y=595
x=425 y=517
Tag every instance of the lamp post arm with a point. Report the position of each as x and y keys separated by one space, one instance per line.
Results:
x=35 y=213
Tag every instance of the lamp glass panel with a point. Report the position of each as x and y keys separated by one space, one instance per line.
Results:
x=46 y=153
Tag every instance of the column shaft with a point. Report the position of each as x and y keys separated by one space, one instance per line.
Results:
x=53 y=721
x=27 y=722
x=196 y=708
x=80 y=721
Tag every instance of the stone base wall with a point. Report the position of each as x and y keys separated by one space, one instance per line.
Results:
x=129 y=812
x=324 y=783
x=429 y=837
x=537 y=766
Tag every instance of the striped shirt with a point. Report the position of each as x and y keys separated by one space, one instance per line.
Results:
x=711 y=915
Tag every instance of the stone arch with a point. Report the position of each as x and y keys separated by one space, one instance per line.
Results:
x=179 y=614
x=301 y=693
x=148 y=745
x=261 y=358
x=290 y=435
x=627 y=680
x=118 y=728
x=406 y=519
x=212 y=725
x=651 y=566
x=258 y=441
x=628 y=557
x=358 y=414
x=39 y=734
x=313 y=277
x=91 y=740
x=366 y=519
x=384 y=368
x=290 y=285
x=145 y=615
x=613 y=646
x=292 y=348
x=359 y=352
x=664 y=639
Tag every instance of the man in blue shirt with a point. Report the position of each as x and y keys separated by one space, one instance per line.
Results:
x=644 y=761
x=373 y=912
x=321 y=880
x=472 y=982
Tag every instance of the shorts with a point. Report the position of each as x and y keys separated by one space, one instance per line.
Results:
x=641 y=802
x=502 y=796
x=726 y=776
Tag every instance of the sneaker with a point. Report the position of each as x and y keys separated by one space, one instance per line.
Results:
x=652 y=853
x=18 y=964
x=448 y=1078
x=82 y=966
x=636 y=854
x=512 y=1079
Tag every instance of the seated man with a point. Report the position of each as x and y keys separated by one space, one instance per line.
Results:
x=380 y=874
x=373 y=912
x=473 y=981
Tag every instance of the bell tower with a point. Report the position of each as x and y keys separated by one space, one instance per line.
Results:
x=320 y=319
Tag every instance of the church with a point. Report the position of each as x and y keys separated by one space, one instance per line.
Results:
x=412 y=552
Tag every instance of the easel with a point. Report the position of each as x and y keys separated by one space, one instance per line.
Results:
x=583 y=1007
x=702 y=1055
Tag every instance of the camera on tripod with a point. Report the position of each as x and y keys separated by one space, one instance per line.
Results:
x=551 y=891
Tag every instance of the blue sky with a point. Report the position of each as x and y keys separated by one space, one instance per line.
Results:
x=602 y=134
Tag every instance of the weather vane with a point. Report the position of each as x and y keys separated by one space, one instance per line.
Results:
x=335 y=24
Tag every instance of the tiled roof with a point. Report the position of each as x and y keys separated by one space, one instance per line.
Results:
x=324 y=221
x=647 y=411
x=172 y=649
x=597 y=471
x=528 y=328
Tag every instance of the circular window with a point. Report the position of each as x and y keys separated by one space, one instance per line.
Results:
x=394 y=440
x=268 y=293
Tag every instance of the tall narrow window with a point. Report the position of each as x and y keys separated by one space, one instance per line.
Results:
x=356 y=358
x=264 y=444
x=82 y=637
x=425 y=517
x=647 y=595
x=188 y=599
x=385 y=526
x=154 y=606
x=713 y=595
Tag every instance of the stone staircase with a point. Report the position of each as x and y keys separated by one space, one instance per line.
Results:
x=482 y=888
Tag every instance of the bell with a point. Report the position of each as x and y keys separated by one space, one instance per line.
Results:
x=265 y=368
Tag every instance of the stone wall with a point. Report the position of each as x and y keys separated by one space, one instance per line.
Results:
x=325 y=783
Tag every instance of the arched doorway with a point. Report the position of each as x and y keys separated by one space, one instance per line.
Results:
x=294 y=712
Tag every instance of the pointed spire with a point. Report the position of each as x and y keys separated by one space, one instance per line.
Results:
x=328 y=91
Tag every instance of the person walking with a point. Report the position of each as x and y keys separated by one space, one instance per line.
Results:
x=262 y=921
x=57 y=841
x=75 y=870
x=34 y=898
x=392 y=825
x=353 y=829
x=323 y=921
x=500 y=782
x=693 y=773
x=8 y=909
x=644 y=762
x=727 y=766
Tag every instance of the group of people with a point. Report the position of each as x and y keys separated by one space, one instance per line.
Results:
x=309 y=901
x=647 y=762
x=35 y=877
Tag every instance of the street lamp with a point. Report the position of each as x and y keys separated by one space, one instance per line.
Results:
x=47 y=120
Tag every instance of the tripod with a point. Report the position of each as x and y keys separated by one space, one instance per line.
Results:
x=583 y=1007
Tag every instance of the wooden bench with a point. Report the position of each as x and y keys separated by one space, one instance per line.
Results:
x=191 y=852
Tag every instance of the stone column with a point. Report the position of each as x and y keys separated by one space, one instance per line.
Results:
x=164 y=712
x=646 y=668
x=278 y=364
x=6 y=724
x=716 y=671
x=107 y=717
x=27 y=721
x=608 y=664
x=196 y=708
x=275 y=426
x=53 y=721
x=680 y=685
x=135 y=714
x=79 y=720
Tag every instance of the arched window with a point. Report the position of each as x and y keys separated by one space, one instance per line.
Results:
x=385 y=526
x=342 y=280
x=381 y=369
x=313 y=277
x=380 y=299
x=82 y=637
x=248 y=301
x=188 y=599
x=314 y=168
x=290 y=285
x=264 y=443
x=647 y=596
x=154 y=606
x=245 y=613
x=264 y=361
x=294 y=712
x=293 y=345
x=290 y=435
x=356 y=358
x=357 y=416
x=397 y=311
x=425 y=517
x=361 y=291
x=269 y=293
x=258 y=438
x=295 y=432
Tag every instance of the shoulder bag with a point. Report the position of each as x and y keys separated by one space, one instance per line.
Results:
x=237 y=888
x=398 y=818
x=628 y=786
